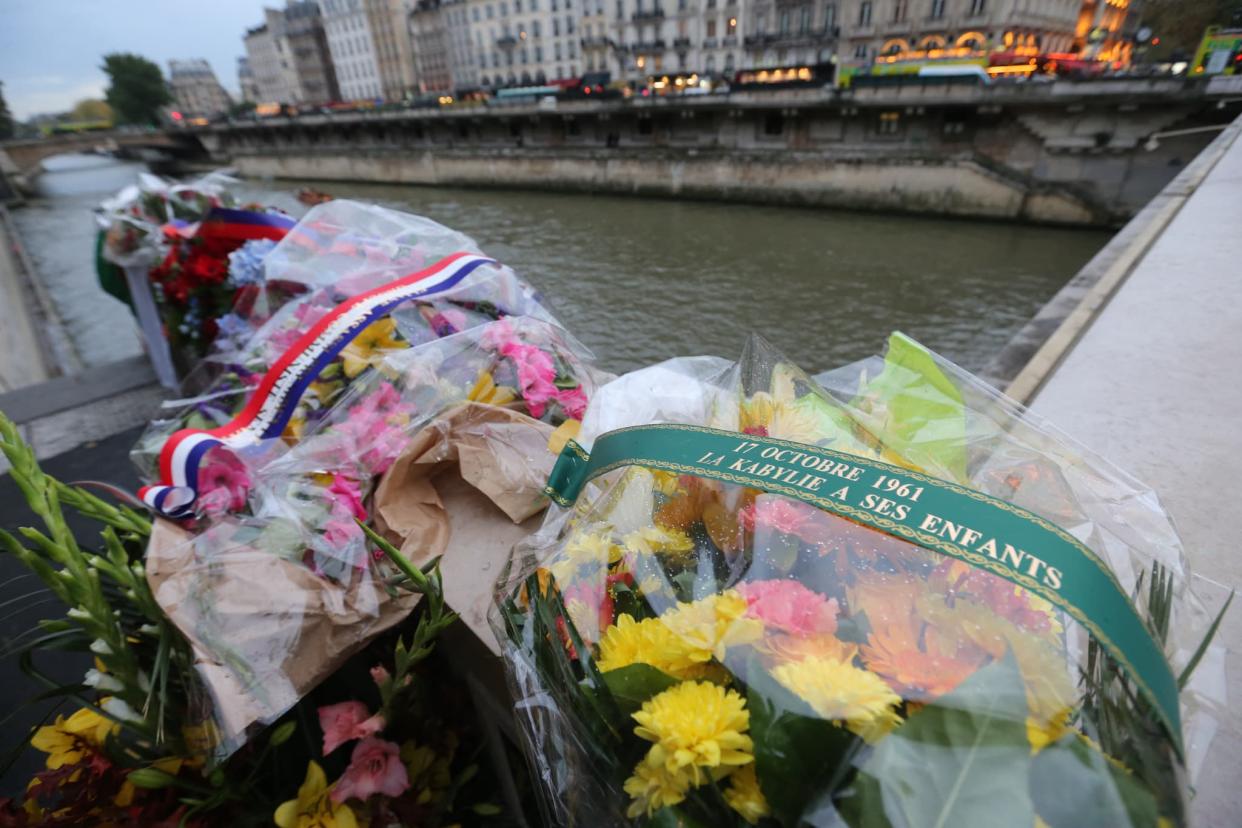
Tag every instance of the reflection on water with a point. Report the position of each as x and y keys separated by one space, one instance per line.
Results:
x=639 y=280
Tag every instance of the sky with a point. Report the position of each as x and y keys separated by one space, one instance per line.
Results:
x=51 y=50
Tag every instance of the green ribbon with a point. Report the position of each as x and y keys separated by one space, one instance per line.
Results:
x=944 y=517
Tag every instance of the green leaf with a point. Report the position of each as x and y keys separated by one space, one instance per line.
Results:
x=636 y=683
x=800 y=759
x=916 y=411
x=673 y=818
x=957 y=763
x=1073 y=784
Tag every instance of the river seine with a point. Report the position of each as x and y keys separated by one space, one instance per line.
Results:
x=639 y=280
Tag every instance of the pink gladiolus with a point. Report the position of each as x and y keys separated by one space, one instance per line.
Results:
x=223 y=483
x=346 y=496
x=375 y=767
x=340 y=532
x=536 y=374
x=345 y=722
x=380 y=674
x=790 y=606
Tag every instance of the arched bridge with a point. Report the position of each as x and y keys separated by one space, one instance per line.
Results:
x=24 y=159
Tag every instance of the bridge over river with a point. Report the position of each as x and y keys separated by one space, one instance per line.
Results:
x=1086 y=153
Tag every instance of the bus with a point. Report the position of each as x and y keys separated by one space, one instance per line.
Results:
x=1220 y=53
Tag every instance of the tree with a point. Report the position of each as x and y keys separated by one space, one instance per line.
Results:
x=91 y=109
x=136 y=89
x=6 y=118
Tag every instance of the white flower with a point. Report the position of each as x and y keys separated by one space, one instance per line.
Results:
x=100 y=647
x=78 y=614
x=120 y=710
x=102 y=681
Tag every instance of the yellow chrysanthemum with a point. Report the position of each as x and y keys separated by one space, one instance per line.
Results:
x=744 y=795
x=696 y=727
x=68 y=741
x=369 y=346
x=711 y=625
x=649 y=641
x=584 y=550
x=667 y=483
x=756 y=412
x=657 y=540
x=652 y=788
x=842 y=692
x=485 y=390
x=1043 y=732
x=314 y=807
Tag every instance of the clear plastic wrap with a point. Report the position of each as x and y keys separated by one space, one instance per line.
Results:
x=271 y=577
x=689 y=650
x=133 y=220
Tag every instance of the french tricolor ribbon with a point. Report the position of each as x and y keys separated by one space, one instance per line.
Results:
x=233 y=225
x=276 y=398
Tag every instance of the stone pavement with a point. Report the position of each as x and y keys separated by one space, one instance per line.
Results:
x=1155 y=385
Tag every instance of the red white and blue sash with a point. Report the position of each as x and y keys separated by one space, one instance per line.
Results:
x=276 y=398
x=233 y=225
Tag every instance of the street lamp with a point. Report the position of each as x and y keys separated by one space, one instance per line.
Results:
x=1153 y=142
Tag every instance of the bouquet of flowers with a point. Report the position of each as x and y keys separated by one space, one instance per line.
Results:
x=885 y=599
x=390 y=738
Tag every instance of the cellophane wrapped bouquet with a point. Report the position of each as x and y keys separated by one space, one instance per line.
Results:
x=703 y=643
x=276 y=582
x=133 y=220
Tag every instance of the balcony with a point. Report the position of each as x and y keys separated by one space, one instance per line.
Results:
x=710 y=43
x=506 y=42
x=595 y=42
x=808 y=38
x=681 y=43
x=728 y=40
x=648 y=14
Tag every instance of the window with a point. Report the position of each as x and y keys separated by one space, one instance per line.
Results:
x=556 y=50
x=711 y=28
x=525 y=56
x=489 y=11
x=761 y=24
x=534 y=5
x=681 y=6
x=731 y=26
x=711 y=64
x=774 y=125
x=804 y=20
x=890 y=123
x=620 y=10
x=517 y=6
x=900 y=8
x=937 y=9
x=784 y=22
x=569 y=24
x=573 y=50
x=729 y=63
x=860 y=51
x=504 y=9
x=977 y=6
x=556 y=27
x=535 y=28
x=864 y=13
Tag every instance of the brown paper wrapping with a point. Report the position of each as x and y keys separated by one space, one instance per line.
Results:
x=265 y=630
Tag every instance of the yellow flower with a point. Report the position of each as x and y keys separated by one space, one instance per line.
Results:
x=69 y=741
x=667 y=483
x=584 y=550
x=1042 y=733
x=695 y=726
x=744 y=795
x=485 y=390
x=756 y=412
x=368 y=347
x=649 y=641
x=842 y=692
x=656 y=540
x=652 y=788
x=314 y=807
x=711 y=625
x=564 y=432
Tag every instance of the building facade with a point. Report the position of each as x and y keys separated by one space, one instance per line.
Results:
x=288 y=56
x=877 y=28
x=246 y=83
x=196 y=91
x=351 y=42
x=509 y=43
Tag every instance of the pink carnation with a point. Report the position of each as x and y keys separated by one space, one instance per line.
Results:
x=375 y=767
x=790 y=606
x=777 y=514
x=573 y=402
x=345 y=722
x=223 y=483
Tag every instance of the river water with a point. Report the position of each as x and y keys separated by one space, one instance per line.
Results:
x=639 y=280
